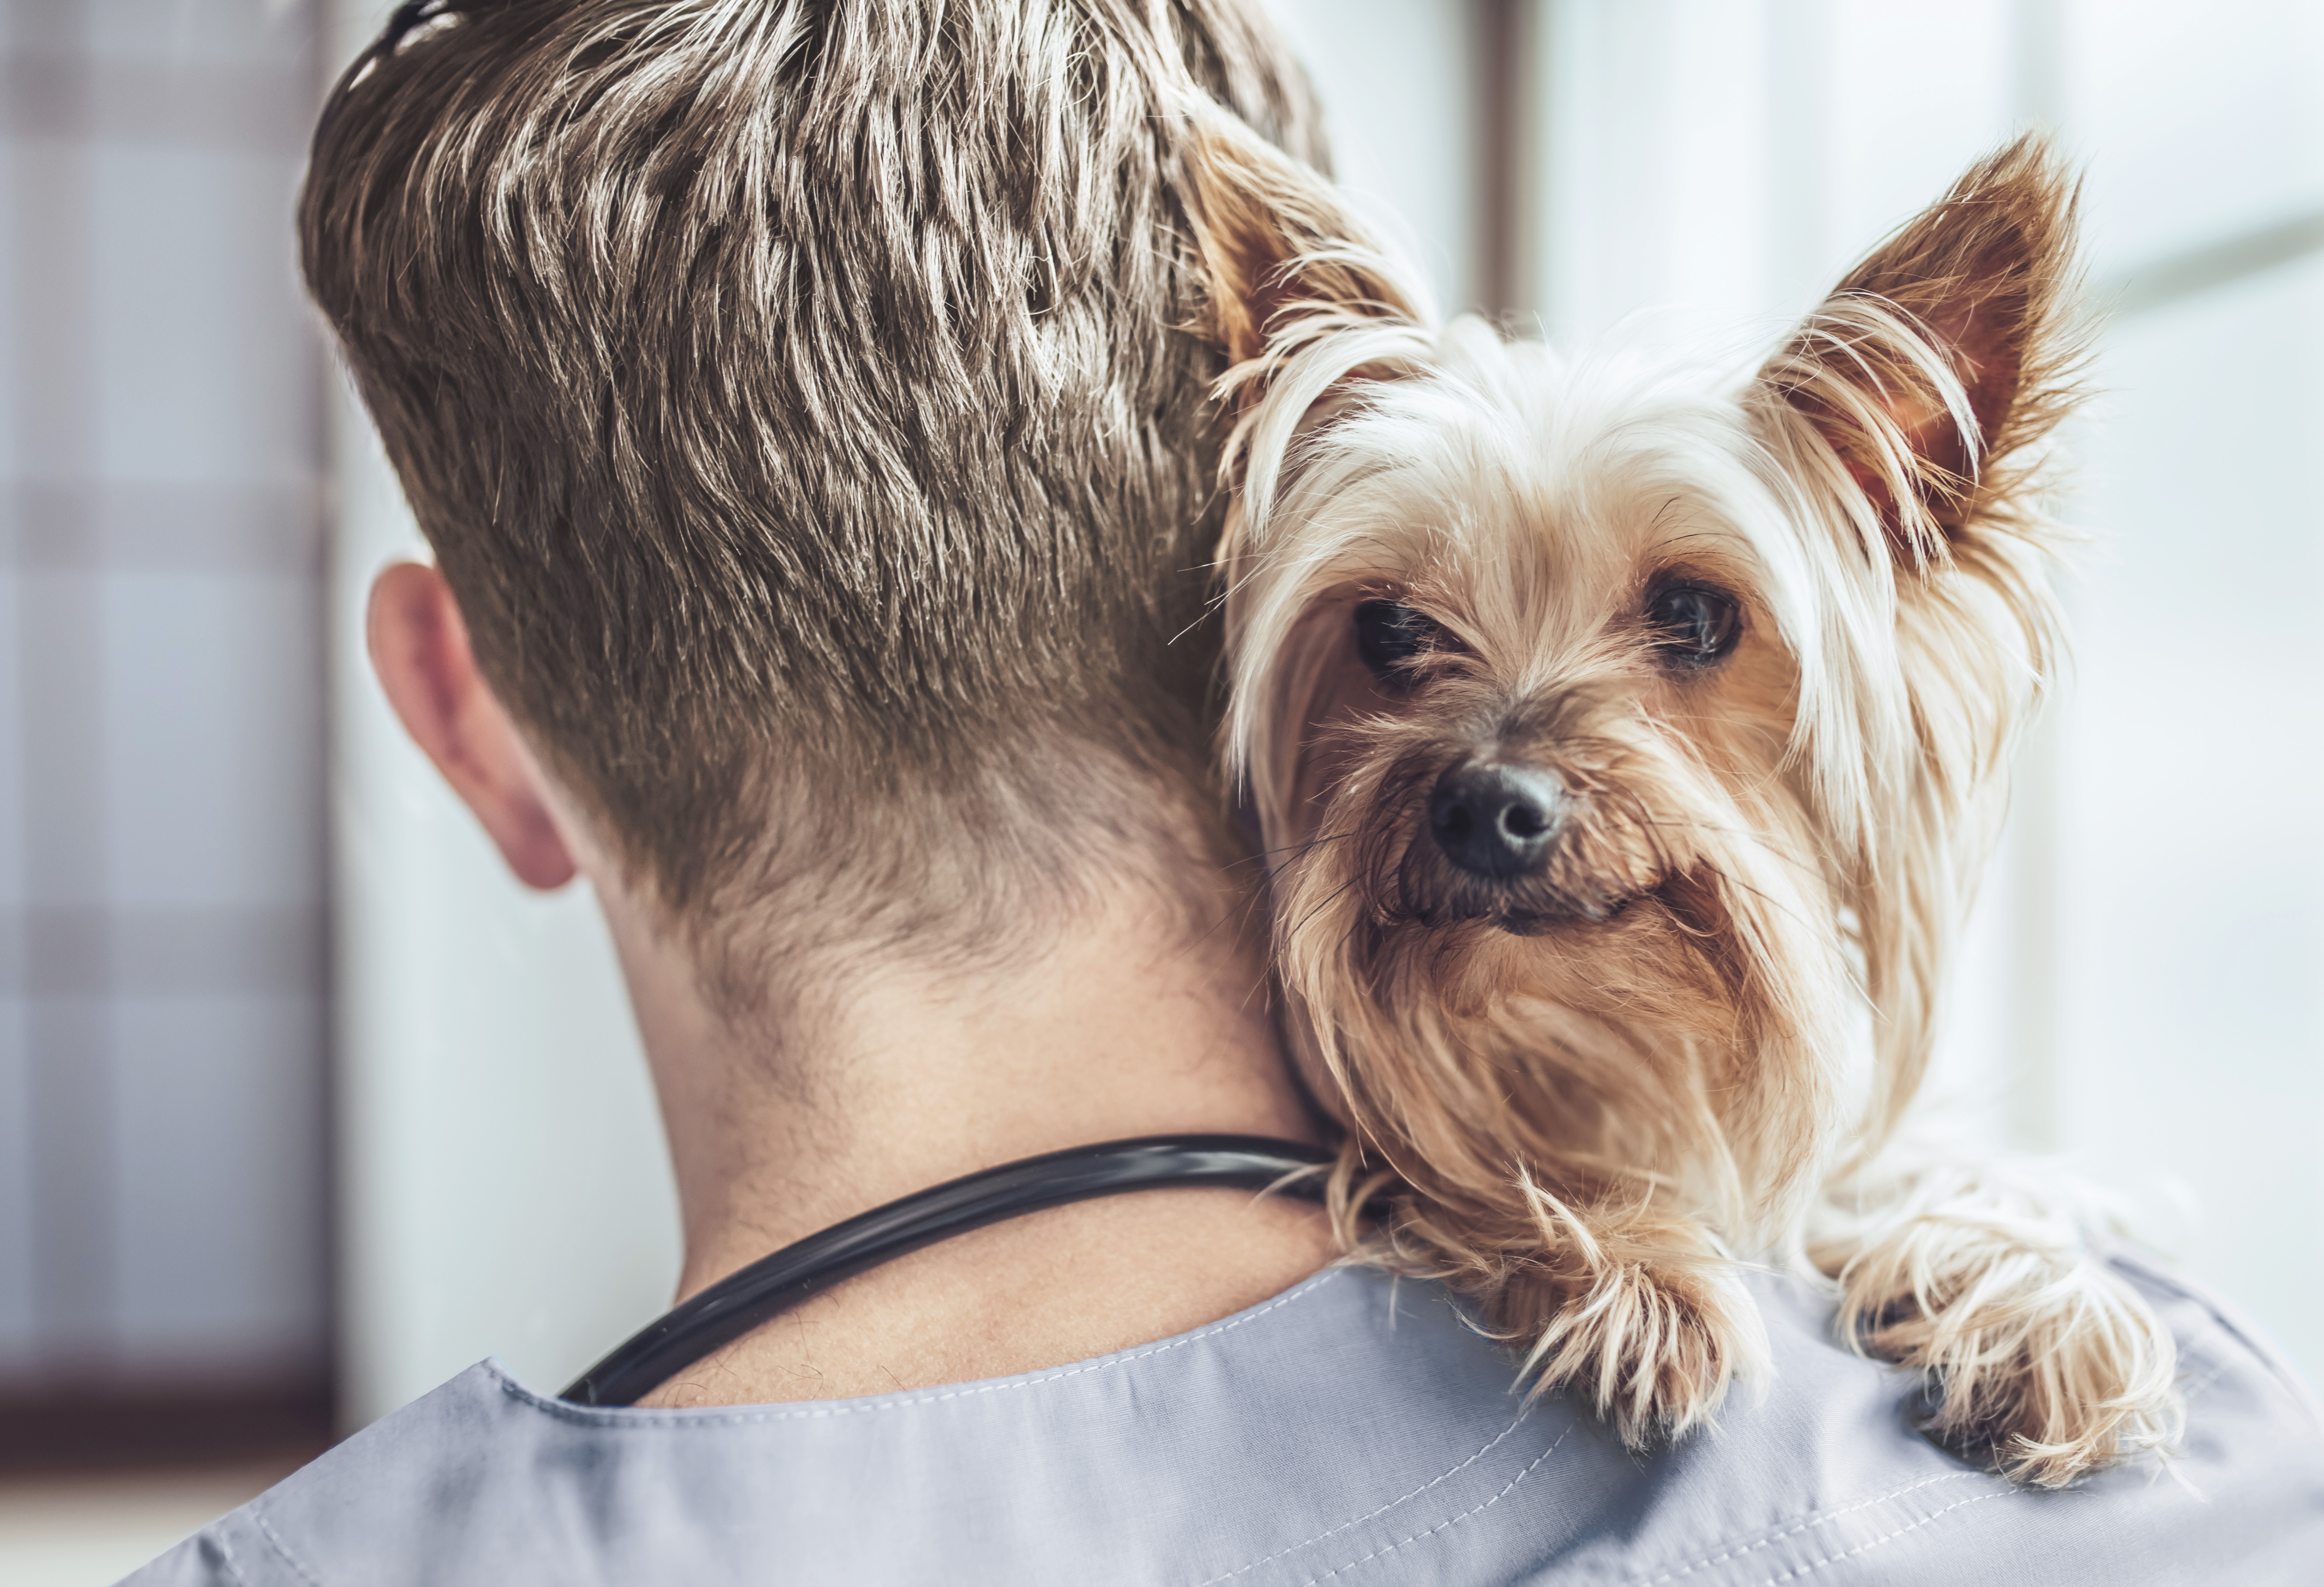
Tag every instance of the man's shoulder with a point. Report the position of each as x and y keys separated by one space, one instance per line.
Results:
x=1350 y=1427
x=1828 y=1479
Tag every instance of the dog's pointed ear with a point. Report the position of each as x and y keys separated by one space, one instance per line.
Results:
x=1948 y=351
x=1279 y=249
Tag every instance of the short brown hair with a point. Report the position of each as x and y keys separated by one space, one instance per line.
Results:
x=799 y=389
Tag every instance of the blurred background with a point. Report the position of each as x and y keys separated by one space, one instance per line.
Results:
x=305 y=1105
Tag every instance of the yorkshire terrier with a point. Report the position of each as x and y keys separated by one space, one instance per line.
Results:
x=1627 y=740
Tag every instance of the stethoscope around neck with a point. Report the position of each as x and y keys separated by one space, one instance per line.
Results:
x=743 y=1300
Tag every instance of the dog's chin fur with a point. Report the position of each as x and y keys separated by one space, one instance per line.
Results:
x=1597 y=1092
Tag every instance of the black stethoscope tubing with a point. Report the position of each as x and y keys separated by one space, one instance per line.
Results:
x=743 y=1300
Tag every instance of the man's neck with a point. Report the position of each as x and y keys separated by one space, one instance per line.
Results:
x=890 y=1076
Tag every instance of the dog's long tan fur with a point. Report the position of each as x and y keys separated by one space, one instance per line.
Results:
x=1683 y=1044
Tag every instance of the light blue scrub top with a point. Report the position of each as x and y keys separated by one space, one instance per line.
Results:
x=1350 y=1431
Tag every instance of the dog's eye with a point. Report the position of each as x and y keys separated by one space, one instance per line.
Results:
x=1693 y=625
x=1389 y=635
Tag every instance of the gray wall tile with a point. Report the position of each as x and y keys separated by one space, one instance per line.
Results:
x=13 y=306
x=20 y=1321
x=229 y=1279
x=60 y=679
x=204 y=360
x=12 y=748
x=213 y=735
x=239 y=34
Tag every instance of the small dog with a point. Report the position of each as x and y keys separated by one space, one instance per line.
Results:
x=1627 y=742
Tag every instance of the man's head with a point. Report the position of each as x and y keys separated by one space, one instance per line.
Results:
x=802 y=404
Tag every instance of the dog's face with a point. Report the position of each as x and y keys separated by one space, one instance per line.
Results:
x=1617 y=732
x=1535 y=672
x=1528 y=710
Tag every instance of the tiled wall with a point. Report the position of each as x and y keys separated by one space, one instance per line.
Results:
x=162 y=913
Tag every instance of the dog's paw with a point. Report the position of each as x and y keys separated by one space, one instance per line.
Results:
x=1652 y=1348
x=2050 y=1397
x=2041 y=1360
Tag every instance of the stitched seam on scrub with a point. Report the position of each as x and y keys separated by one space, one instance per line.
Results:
x=617 y=1417
x=215 y=1538
x=1359 y=1521
x=1807 y=1524
x=2193 y=1389
x=282 y=1548
x=1887 y=1538
x=1441 y=1526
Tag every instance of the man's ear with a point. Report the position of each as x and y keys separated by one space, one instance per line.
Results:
x=1948 y=351
x=419 y=649
x=1279 y=249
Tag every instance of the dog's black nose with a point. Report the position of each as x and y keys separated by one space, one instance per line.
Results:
x=1495 y=821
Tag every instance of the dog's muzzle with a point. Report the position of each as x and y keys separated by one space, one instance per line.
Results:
x=1496 y=821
